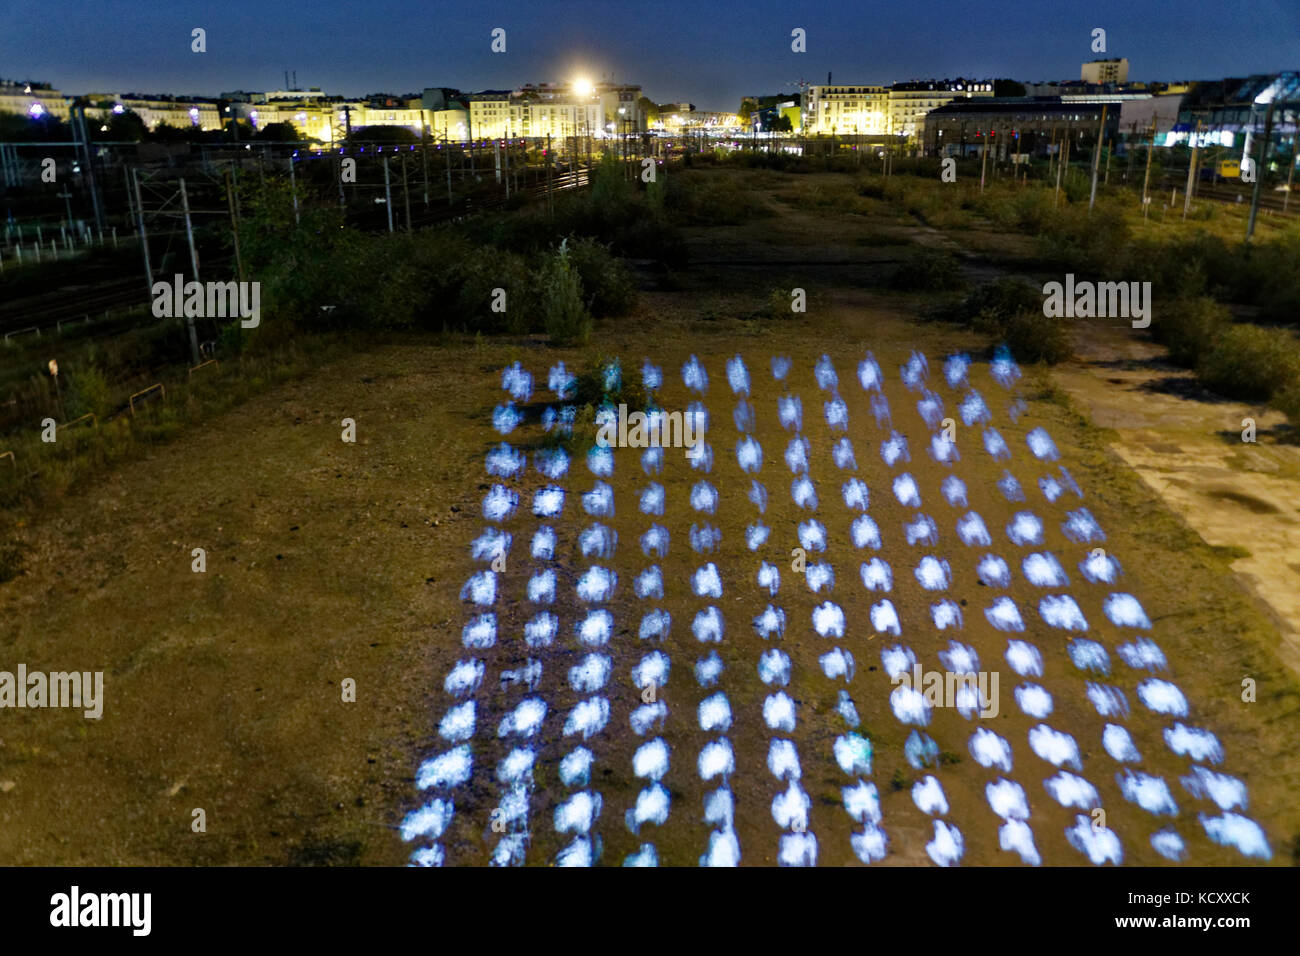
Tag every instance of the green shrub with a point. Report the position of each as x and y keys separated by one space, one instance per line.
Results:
x=927 y=270
x=89 y=393
x=1251 y=363
x=1034 y=337
x=564 y=315
x=1188 y=328
x=607 y=282
x=1000 y=299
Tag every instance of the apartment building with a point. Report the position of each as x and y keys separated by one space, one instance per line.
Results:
x=32 y=99
x=1105 y=71
x=910 y=102
x=843 y=110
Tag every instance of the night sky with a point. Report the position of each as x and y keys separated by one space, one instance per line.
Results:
x=709 y=52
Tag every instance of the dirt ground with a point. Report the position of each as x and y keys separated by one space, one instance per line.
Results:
x=328 y=560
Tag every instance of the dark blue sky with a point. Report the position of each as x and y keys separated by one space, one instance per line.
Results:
x=709 y=52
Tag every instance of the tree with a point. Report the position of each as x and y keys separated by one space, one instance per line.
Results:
x=384 y=135
x=782 y=124
x=1008 y=88
x=648 y=109
x=279 y=132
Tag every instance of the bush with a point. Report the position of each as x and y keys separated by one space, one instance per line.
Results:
x=1188 y=328
x=1034 y=337
x=927 y=270
x=564 y=316
x=90 y=393
x=1251 y=363
x=1000 y=300
x=607 y=283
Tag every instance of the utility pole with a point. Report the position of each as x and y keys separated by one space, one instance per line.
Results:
x=1191 y=170
x=424 y=150
x=1061 y=163
x=1146 y=179
x=194 y=264
x=1096 y=158
x=144 y=236
x=293 y=187
x=1258 y=170
x=388 y=195
x=984 y=155
x=406 y=194
x=446 y=143
x=234 y=225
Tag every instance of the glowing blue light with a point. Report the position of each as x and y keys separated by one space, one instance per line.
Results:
x=1003 y=368
x=541 y=630
x=1143 y=654
x=825 y=373
x=704 y=497
x=842 y=452
x=954 y=491
x=897 y=660
x=655 y=625
x=780 y=367
x=464 y=678
x=506 y=417
x=993 y=571
x=865 y=532
x=450 y=769
x=651 y=760
x=769 y=578
x=1125 y=611
x=499 y=503
x=930 y=408
x=778 y=712
x=694 y=375
x=600 y=461
x=596 y=628
x=1162 y=697
x=708 y=626
x=1044 y=571
x=541 y=587
x=1010 y=487
x=853 y=754
x=1108 y=701
x=525 y=720
x=869 y=374
x=490 y=545
x=505 y=461
x=549 y=501
x=877 y=576
x=652 y=461
x=458 y=723
x=770 y=623
x=1100 y=568
x=820 y=576
x=1119 y=744
x=705 y=540
x=1193 y=742
x=1061 y=611
x=837 y=414
x=561 y=381
x=1034 y=700
x=652 y=376
x=915 y=372
x=1169 y=845
x=598 y=540
x=749 y=455
x=828 y=619
x=738 y=376
x=1015 y=835
x=909 y=706
x=837 y=663
x=790 y=411
x=1148 y=792
x=971 y=530
x=943 y=450
x=587 y=718
x=846 y=709
x=1025 y=529
x=947 y=847
x=716 y=758
x=647 y=717
x=803 y=493
x=1055 y=746
x=743 y=416
x=518 y=382
x=990 y=749
x=973 y=409
x=955 y=368
x=1081 y=527
x=480 y=632
x=1041 y=444
x=996 y=445
x=1071 y=791
x=597 y=585
x=756 y=536
x=894 y=449
x=590 y=674
x=1024 y=658
x=1227 y=792
x=921 y=530
x=920 y=750
x=934 y=574
x=599 y=502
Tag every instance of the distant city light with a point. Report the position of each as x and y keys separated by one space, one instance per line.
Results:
x=37 y=110
x=119 y=108
x=583 y=87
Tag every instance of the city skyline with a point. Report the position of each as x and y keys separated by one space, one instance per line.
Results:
x=673 y=58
